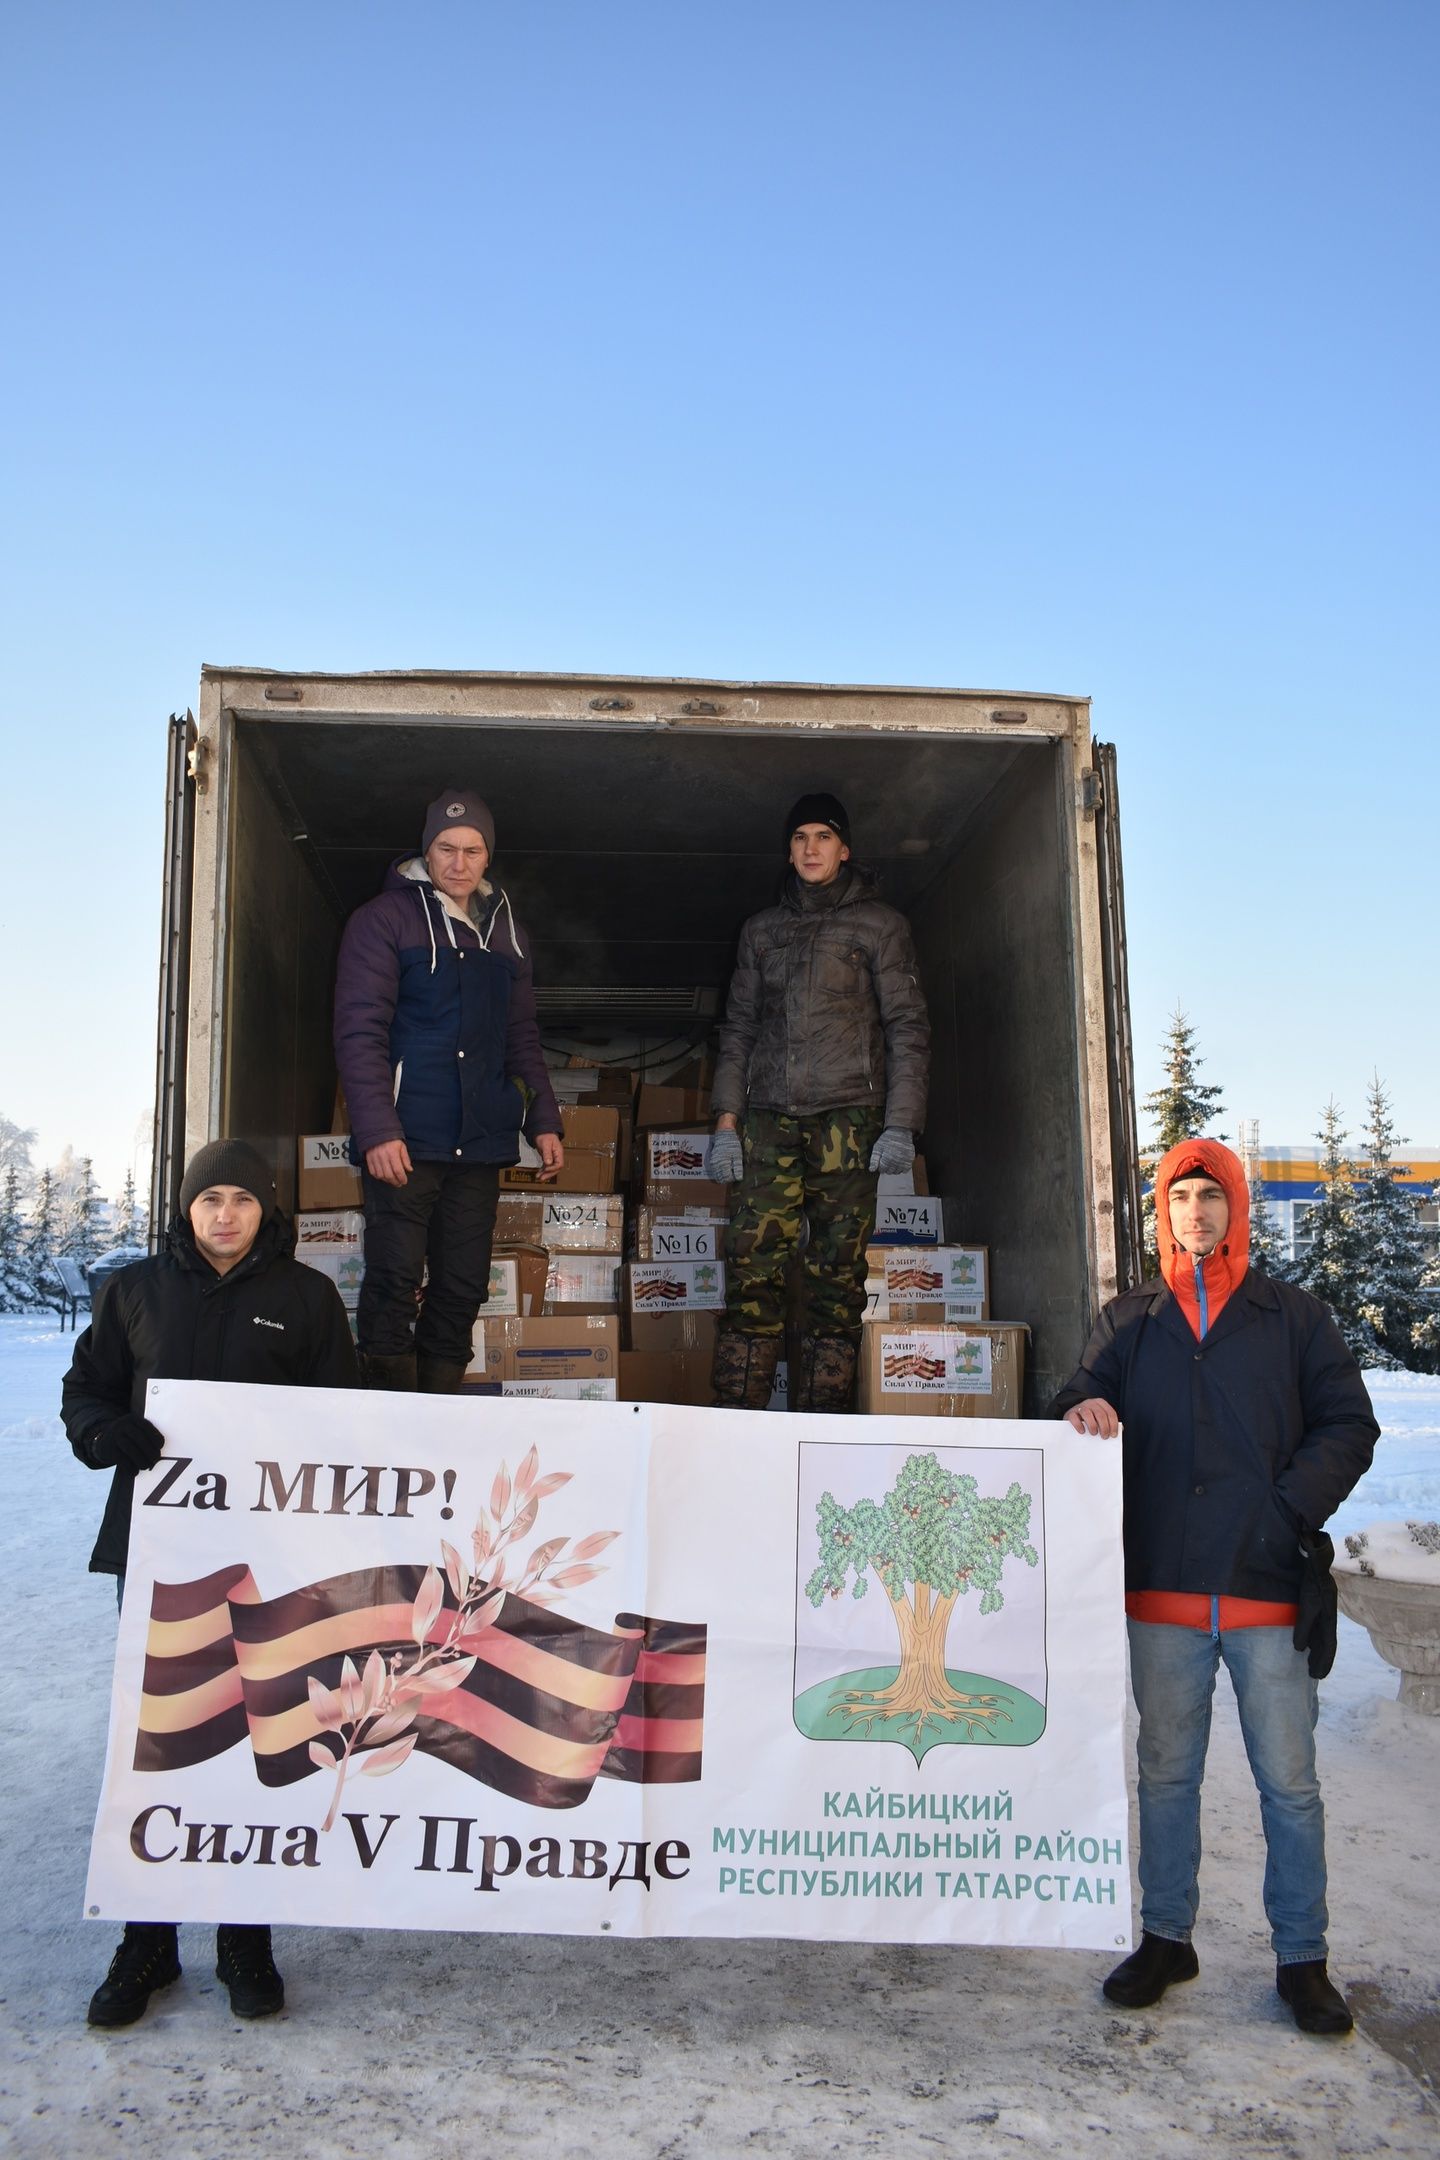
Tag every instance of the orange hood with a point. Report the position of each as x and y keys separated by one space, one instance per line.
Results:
x=1226 y=1267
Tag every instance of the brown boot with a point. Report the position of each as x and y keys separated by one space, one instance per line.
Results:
x=439 y=1376
x=743 y=1375
x=391 y=1374
x=824 y=1375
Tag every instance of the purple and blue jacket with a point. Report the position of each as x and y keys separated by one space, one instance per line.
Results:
x=436 y=1037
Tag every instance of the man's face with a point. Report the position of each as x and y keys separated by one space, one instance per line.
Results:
x=1199 y=1214
x=457 y=861
x=816 y=853
x=226 y=1221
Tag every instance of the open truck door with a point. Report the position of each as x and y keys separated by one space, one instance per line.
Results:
x=1120 y=1052
x=167 y=1166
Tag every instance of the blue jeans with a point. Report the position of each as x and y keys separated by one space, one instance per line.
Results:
x=1172 y=1672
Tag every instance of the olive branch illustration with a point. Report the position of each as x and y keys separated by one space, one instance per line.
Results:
x=374 y=1708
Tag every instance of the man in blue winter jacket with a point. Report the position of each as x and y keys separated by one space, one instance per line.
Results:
x=438 y=1050
x=1246 y=1423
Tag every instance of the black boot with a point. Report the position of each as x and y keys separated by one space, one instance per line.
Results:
x=824 y=1378
x=1144 y=1976
x=439 y=1376
x=1315 y=2001
x=148 y=1958
x=390 y=1373
x=244 y=1963
x=743 y=1375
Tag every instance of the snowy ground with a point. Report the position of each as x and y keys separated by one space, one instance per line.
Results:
x=404 y=2044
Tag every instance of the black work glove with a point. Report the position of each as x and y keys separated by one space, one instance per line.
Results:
x=131 y=1440
x=1316 y=1624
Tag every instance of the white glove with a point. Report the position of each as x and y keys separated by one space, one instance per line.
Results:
x=893 y=1151
x=725 y=1158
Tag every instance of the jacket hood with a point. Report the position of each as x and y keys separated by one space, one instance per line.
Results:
x=1230 y=1260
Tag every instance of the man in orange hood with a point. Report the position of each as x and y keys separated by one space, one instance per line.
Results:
x=1246 y=1422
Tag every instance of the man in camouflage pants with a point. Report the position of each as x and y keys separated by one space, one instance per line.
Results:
x=820 y=1086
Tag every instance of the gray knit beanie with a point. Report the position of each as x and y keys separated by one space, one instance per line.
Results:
x=229 y=1162
x=459 y=806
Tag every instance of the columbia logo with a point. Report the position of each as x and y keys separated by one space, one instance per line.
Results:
x=278 y=1325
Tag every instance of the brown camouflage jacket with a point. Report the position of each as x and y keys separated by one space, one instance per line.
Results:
x=825 y=1007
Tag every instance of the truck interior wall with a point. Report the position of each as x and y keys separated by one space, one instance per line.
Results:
x=1003 y=1137
x=278 y=1077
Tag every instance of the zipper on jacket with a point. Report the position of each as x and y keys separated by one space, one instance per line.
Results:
x=1202 y=1299
x=1215 y=1618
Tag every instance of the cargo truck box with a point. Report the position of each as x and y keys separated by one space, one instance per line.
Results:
x=636 y=823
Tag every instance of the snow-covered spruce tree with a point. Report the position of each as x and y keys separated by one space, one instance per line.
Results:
x=39 y=1245
x=16 y=1142
x=1427 y=1335
x=1182 y=1109
x=77 y=1233
x=1265 y=1253
x=129 y=1226
x=15 y=1291
x=1330 y=1269
x=1389 y=1293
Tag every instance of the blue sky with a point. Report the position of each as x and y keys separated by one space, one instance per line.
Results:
x=1083 y=347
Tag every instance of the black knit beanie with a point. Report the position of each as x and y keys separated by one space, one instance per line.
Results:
x=818 y=810
x=458 y=806
x=229 y=1162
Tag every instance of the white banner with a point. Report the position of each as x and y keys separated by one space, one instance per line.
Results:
x=422 y=1661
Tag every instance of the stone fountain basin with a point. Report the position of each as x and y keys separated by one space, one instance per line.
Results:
x=1403 y=1622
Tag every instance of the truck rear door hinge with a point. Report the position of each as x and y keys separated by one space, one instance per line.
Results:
x=195 y=764
x=1092 y=792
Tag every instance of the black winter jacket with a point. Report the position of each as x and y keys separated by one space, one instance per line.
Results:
x=269 y=1320
x=825 y=1008
x=1231 y=1443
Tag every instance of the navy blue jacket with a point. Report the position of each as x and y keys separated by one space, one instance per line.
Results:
x=1230 y=1443
x=435 y=1025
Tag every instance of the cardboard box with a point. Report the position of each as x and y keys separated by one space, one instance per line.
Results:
x=592 y=1140
x=564 y=1222
x=325 y=1177
x=345 y=1269
x=583 y=1170
x=939 y=1285
x=666 y=1376
x=910 y=1371
x=331 y=1230
x=531 y=1264
x=581 y=1278
x=585 y=1346
x=673 y=1331
x=659 y=1286
x=669 y=1105
x=900 y=1221
x=679 y=1233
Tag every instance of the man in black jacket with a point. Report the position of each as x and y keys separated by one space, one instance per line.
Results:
x=225 y=1301
x=819 y=1087
x=1246 y=1423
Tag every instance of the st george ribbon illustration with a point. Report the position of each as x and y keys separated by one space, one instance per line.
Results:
x=543 y=1707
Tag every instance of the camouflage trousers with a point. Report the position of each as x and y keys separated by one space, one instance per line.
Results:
x=801 y=1170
